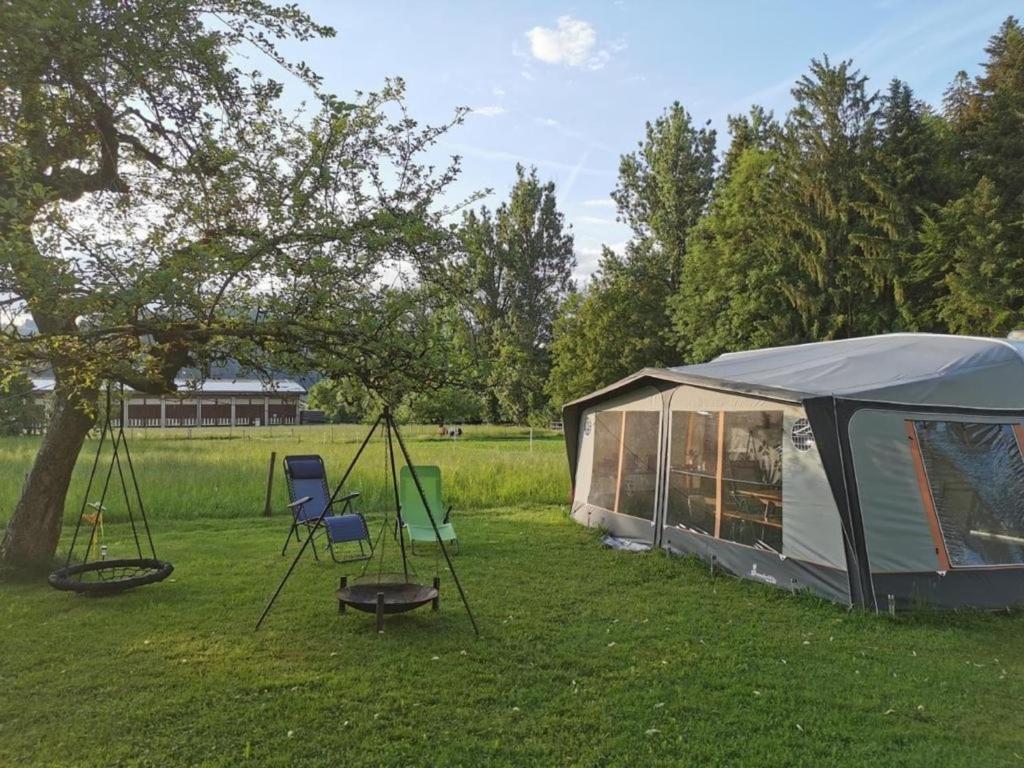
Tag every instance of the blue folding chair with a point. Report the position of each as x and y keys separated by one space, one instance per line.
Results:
x=309 y=495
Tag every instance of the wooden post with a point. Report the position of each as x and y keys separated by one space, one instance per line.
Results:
x=1018 y=432
x=270 y=484
x=926 y=497
x=689 y=481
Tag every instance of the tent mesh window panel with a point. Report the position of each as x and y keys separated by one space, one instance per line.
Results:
x=752 y=478
x=976 y=477
x=639 y=462
x=607 y=443
x=692 y=470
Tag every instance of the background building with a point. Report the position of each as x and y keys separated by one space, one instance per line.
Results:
x=210 y=403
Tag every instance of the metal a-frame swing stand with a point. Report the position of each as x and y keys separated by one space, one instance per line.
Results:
x=377 y=595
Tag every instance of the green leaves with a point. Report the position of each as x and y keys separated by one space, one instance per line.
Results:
x=209 y=225
x=982 y=280
x=664 y=186
x=517 y=269
x=733 y=295
x=621 y=322
x=862 y=213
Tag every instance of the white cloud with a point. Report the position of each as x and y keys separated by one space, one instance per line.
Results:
x=572 y=42
x=491 y=110
x=588 y=257
x=498 y=91
x=600 y=202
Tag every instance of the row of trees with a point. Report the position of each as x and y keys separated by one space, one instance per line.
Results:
x=504 y=289
x=857 y=213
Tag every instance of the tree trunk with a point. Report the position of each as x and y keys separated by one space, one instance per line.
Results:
x=33 y=531
x=493 y=411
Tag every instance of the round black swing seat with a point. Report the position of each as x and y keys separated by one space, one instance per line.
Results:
x=398 y=596
x=110 y=577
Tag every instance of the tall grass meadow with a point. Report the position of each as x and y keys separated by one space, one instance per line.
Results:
x=222 y=473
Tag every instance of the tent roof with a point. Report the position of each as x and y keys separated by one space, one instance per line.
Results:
x=874 y=367
x=910 y=368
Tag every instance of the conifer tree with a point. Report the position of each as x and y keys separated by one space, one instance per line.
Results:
x=517 y=270
x=827 y=145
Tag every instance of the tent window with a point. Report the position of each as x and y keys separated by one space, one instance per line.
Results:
x=693 y=470
x=607 y=444
x=725 y=475
x=975 y=480
x=752 y=478
x=638 y=480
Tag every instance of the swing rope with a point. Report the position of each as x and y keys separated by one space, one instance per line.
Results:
x=138 y=497
x=110 y=576
x=88 y=487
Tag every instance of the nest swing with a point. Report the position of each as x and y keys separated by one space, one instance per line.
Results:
x=98 y=577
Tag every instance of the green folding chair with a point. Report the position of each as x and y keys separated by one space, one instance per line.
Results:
x=414 y=516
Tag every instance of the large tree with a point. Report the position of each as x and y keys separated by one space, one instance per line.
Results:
x=664 y=187
x=158 y=212
x=828 y=146
x=972 y=253
x=622 y=321
x=907 y=178
x=517 y=270
x=738 y=257
x=619 y=323
x=982 y=278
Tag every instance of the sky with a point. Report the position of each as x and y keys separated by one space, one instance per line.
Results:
x=567 y=87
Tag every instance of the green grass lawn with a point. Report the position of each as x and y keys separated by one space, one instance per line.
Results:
x=587 y=657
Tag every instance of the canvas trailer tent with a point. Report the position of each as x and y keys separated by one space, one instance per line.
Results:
x=879 y=471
